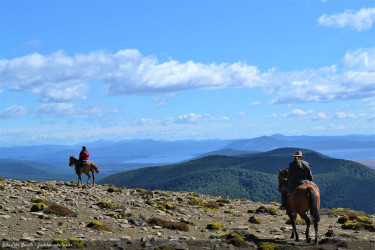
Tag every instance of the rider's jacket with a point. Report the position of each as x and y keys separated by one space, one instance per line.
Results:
x=84 y=155
x=299 y=173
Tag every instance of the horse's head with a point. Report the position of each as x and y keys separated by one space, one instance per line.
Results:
x=72 y=160
x=283 y=174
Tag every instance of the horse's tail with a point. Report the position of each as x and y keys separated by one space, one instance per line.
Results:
x=313 y=203
x=95 y=167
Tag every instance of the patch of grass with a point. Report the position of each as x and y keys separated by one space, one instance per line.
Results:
x=354 y=225
x=36 y=207
x=30 y=184
x=173 y=225
x=229 y=211
x=60 y=211
x=99 y=226
x=344 y=218
x=180 y=199
x=267 y=210
x=114 y=190
x=216 y=226
x=168 y=206
x=38 y=200
x=275 y=204
x=215 y=236
x=104 y=204
x=236 y=240
x=210 y=210
x=77 y=243
x=299 y=221
x=254 y=220
x=268 y=245
x=61 y=243
x=161 y=208
x=197 y=202
x=223 y=199
x=41 y=192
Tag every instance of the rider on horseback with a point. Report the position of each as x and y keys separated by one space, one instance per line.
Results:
x=299 y=173
x=83 y=157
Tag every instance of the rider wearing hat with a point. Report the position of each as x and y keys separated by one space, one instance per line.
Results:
x=299 y=172
x=83 y=156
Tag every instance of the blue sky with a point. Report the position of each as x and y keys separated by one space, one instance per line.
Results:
x=79 y=71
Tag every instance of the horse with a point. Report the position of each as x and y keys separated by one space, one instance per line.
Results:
x=304 y=197
x=85 y=168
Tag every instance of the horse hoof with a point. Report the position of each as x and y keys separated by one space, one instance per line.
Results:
x=308 y=240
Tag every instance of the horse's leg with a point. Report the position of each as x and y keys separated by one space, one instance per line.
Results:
x=93 y=177
x=316 y=232
x=293 y=217
x=88 y=179
x=79 y=179
x=307 y=233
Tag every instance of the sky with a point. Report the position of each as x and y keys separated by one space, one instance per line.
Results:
x=81 y=71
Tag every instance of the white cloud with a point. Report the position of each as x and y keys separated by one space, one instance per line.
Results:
x=14 y=111
x=321 y=116
x=359 y=20
x=344 y=115
x=254 y=103
x=331 y=126
x=190 y=118
x=58 y=78
x=297 y=113
x=70 y=110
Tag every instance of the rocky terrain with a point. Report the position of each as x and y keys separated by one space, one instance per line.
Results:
x=52 y=215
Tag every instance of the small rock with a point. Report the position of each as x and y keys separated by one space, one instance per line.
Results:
x=172 y=238
x=5 y=217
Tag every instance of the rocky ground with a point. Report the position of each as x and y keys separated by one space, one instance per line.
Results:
x=141 y=219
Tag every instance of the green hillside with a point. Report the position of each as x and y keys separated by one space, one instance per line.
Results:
x=342 y=183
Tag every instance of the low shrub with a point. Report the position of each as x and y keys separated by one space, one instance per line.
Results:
x=99 y=226
x=254 y=220
x=36 y=207
x=38 y=200
x=236 y=240
x=41 y=192
x=268 y=245
x=77 y=243
x=299 y=221
x=173 y=225
x=197 y=202
x=60 y=211
x=216 y=226
x=104 y=204
x=212 y=204
x=229 y=212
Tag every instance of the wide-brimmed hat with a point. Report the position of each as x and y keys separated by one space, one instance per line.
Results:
x=298 y=154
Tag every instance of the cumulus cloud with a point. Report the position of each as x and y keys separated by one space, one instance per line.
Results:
x=359 y=20
x=14 y=111
x=190 y=118
x=70 y=110
x=254 y=103
x=344 y=115
x=297 y=113
x=59 y=78
x=321 y=116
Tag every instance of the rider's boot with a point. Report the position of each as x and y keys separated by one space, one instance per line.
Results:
x=284 y=198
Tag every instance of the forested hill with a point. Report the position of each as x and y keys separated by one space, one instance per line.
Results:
x=342 y=183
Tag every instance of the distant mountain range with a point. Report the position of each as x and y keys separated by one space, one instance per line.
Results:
x=253 y=176
x=114 y=157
